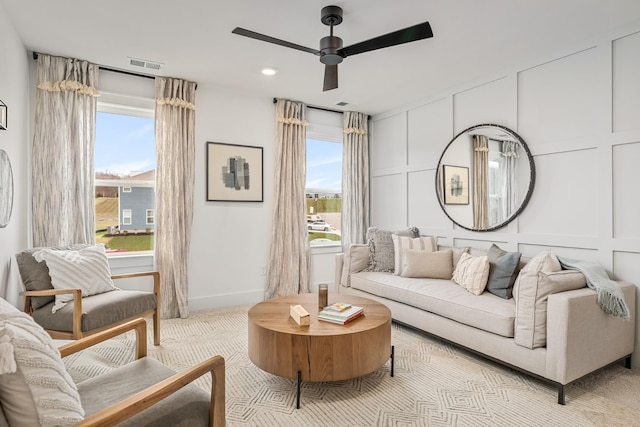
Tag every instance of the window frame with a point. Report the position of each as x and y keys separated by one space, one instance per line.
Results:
x=152 y=216
x=125 y=216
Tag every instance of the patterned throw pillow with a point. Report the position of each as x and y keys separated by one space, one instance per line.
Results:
x=382 y=255
x=402 y=243
x=472 y=273
x=35 y=388
x=87 y=269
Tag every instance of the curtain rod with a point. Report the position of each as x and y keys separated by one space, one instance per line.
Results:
x=275 y=100
x=116 y=70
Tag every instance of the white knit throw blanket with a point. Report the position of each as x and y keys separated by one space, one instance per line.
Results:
x=609 y=295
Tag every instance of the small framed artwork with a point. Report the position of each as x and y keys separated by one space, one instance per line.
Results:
x=456 y=185
x=234 y=173
x=3 y=116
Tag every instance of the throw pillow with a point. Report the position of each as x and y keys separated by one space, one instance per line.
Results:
x=381 y=257
x=35 y=388
x=503 y=270
x=432 y=265
x=531 y=305
x=35 y=275
x=356 y=259
x=472 y=273
x=457 y=253
x=545 y=261
x=401 y=243
x=87 y=269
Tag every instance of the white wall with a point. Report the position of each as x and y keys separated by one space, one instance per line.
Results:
x=14 y=80
x=579 y=112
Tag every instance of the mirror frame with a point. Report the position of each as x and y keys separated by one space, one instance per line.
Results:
x=532 y=177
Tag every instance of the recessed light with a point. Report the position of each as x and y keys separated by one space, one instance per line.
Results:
x=269 y=71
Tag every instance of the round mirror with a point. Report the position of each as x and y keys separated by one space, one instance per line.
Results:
x=6 y=189
x=485 y=177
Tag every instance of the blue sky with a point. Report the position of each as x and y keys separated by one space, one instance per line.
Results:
x=324 y=165
x=126 y=145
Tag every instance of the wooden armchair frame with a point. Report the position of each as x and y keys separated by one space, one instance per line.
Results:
x=77 y=308
x=146 y=398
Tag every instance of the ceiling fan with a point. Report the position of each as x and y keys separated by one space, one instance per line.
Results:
x=332 y=53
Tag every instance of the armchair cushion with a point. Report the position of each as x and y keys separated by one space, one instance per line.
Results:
x=35 y=275
x=31 y=373
x=98 y=311
x=186 y=407
x=86 y=269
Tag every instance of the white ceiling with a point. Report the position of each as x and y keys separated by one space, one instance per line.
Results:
x=472 y=39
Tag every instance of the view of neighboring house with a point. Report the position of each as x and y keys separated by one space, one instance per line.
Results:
x=136 y=199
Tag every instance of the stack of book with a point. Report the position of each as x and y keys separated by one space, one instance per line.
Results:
x=340 y=313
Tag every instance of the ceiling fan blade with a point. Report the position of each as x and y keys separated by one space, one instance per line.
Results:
x=330 y=77
x=268 y=39
x=409 y=34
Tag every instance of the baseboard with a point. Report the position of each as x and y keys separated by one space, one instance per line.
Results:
x=226 y=300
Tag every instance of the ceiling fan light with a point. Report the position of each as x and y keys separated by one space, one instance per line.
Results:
x=269 y=71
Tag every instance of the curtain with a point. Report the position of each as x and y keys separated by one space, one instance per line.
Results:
x=355 y=179
x=288 y=271
x=62 y=152
x=480 y=182
x=509 y=180
x=175 y=156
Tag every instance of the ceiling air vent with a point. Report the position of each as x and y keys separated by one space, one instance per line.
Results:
x=142 y=63
x=342 y=103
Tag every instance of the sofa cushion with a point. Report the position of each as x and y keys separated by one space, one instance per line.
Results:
x=434 y=265
x=187 y=407
x=382 y=255
x=472 y=273
x=534 y=288
x=35 y=275
x=503 y=269
x=35 y=388
x=401 y=243
x=444 y=298
x=86 y=269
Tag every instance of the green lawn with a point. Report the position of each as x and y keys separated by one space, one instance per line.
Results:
x=321 y=235
x=139 y=242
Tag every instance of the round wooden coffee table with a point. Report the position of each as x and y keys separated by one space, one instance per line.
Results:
x=321 y=351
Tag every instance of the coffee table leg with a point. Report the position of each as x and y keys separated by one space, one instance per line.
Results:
x=393 y=350
x=298 y=396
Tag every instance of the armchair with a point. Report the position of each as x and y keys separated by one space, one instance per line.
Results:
x=36 y=389
x=91 y=314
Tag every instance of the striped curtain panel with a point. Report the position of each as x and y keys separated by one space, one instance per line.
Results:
x=63 y=150
x=288 y=270
x=175 y=179
x=355 y=179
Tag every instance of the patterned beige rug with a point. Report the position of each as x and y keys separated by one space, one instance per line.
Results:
x=435 y=384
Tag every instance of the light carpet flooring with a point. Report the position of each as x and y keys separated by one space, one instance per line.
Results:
x=435 y=383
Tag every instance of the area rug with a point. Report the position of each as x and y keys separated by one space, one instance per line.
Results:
x=435 y=383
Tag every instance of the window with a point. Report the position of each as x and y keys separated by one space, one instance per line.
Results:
x=126 y=216
x=125 y=166
x=324 y=177
x=150 y=216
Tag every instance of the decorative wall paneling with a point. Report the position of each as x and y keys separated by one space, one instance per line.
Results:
x=578 y=111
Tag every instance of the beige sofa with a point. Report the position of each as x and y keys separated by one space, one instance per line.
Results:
x=580 y=336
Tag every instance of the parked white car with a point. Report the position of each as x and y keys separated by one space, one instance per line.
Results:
x=319 y=226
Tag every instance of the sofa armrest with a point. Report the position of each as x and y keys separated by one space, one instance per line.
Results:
x=581 y=337
x=356 y=258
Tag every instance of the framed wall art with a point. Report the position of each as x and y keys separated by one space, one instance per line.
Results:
x=456 y=185
x=234 y=173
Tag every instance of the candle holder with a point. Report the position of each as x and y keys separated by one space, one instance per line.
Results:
x=323 y=295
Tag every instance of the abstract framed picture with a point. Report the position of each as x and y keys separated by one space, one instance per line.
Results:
x=234 y=173
x=3 y=116
x=456 y=185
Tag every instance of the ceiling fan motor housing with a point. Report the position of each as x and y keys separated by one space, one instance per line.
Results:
x=329 y=50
